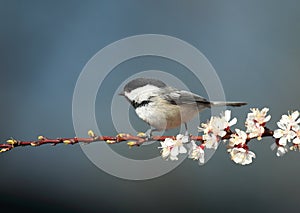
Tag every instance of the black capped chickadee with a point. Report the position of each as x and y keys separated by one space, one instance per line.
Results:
x=164 y=107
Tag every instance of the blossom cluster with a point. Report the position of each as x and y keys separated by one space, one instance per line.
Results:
x=172 y=148
x=255 y=128
x=256 y=121
x=218 y=128
x=288 y=133
x=213 y=130
x=238 y=148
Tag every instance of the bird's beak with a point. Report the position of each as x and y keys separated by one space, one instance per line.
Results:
x=121 y=94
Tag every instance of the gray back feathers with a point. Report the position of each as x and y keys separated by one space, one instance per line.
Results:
x=179 y=97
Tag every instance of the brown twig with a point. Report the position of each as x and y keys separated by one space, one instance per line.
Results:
x=132 y=140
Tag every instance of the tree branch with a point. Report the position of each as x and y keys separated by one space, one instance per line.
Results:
x=132 y=140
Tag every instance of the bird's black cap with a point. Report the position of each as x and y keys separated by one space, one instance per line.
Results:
x=140 y=82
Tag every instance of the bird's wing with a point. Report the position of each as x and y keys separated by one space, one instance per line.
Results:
x=184 y=97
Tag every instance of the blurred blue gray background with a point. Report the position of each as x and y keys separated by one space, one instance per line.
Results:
x=254 y=47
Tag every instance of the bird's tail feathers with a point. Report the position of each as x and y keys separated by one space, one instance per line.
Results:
x=231 y=103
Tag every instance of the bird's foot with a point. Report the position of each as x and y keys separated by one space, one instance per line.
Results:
x=187 y=134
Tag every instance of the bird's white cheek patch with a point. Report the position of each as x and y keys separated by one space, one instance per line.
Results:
x=141 y=93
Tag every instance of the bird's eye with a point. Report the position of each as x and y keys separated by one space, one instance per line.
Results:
x=143 y=103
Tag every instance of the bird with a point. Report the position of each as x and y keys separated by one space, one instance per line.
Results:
x=164 y=107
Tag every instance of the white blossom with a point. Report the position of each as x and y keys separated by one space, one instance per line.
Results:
x=215 y=126
x=256 y=121
x=182 y=138
x=226 y=116
x=241 y=155
x=211 y=141
x=239 y=150
x=285 y=135
x=218 y=125
x=296 y=140
x=239 y=138
x=289 y=127
x=281 y=150
x=196 y=152
x=166 y=147
x=172 y=148
x=290 y=121
x=259 y=116
x=215 y=129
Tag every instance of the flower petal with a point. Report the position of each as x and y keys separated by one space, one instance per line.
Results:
x=295 y=127
x=278 y=133
x=281 y=151
x=179 y=137
x=251 y=154
x=281 y=125
x=233 y=122
x=174 y=151
x=265 y=110
x=169 y=142
x=296 y=140
x=173 y=157
x=227 y=115
x=282 y=141
x=185 y=139
x=267 y=118
x=182 y=149
x=165 y=152
x=295 y=115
